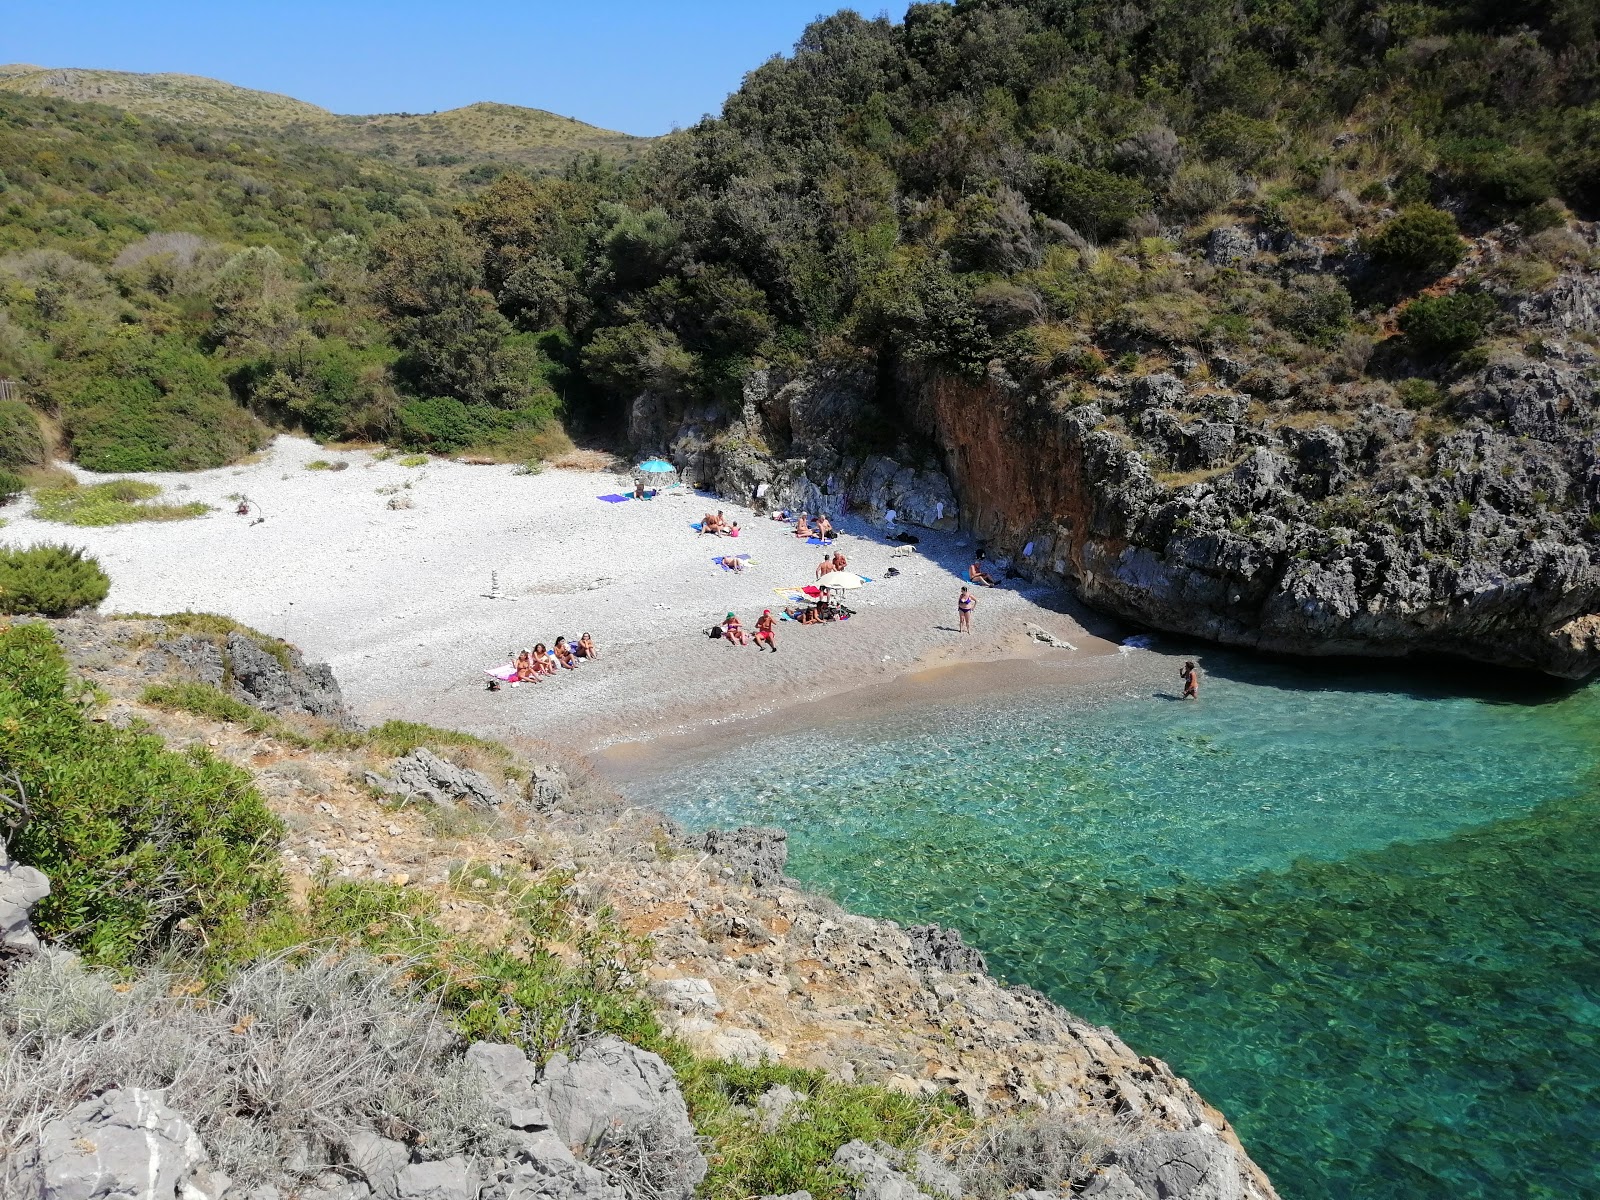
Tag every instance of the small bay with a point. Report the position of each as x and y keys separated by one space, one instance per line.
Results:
x=1358 y=906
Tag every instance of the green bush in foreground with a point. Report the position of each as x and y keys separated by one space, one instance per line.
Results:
x=11 y=486
x=144 y=847
x=115 y=502
x=50 y=580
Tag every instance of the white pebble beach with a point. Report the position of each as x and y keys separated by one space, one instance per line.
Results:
x=410 y=605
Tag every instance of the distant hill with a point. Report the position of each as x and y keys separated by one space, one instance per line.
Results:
x=442 y=142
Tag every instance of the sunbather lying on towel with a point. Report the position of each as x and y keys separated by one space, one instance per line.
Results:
x=732 y=562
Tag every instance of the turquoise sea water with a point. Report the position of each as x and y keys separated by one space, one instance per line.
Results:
x=1360 y=910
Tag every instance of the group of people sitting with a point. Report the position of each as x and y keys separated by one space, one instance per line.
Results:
x=815 y=614
x=732 y=631
x=822 y=530
x=718 y=524
x=533 y=665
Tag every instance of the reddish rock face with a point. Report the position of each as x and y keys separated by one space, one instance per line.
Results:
x=1344 y=538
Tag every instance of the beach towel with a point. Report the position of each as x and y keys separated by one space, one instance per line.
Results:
x=819 y=542
x=505 y=673
x=695 y=525
x=812 y=590
x=614 y=498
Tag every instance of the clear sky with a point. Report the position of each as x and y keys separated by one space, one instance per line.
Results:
x=634 y=65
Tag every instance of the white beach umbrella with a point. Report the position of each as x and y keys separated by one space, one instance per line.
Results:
x=840 y=581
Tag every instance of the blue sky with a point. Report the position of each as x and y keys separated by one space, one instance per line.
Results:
x=632 y=65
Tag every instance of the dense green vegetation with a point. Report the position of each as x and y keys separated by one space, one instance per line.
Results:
x=1015 y=179
x=115 y=502
x=50 y=580
x=166 y=293
x=145 y=848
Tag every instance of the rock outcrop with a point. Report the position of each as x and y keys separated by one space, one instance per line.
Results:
x=125 y=1144
x=21 y=888
x=1337 y=538
x=422 y=774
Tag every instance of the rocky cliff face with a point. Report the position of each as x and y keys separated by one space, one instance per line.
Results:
x=1362 y=533
x=1247 y=503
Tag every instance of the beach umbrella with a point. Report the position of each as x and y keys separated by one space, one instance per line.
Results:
x=655 y=473
x=840 y=581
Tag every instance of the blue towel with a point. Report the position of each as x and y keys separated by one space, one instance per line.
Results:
x=818 y=542
x=695 y=525
x=614 y=498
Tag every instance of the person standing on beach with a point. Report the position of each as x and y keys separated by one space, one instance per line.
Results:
x=965 y=603
x=1191 y=681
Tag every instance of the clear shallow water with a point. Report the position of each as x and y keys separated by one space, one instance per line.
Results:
x=1360 y=912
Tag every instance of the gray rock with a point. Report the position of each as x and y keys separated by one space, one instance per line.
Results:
x=1230 y=246
x=611 y=1084
x=935 y=1176
x=876 y=1177
x=934 y=947
x=549 y=787
x=1194 y=1164
x=917 y=497
x=259 y=678
x=123 y=1145
x=422 y=773
x=20 y=889
x=200 y=655
x=747 y=854
x=379 y=1159
x=1112 y=1183
x=447 y=1180
x=509 y=1081
x=546 y=1170
x=687 y=997
x=774 y=1105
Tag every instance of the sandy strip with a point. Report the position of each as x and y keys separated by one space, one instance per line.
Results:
x=410 y=605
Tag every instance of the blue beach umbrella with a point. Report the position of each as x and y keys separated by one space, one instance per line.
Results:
x=656 y=473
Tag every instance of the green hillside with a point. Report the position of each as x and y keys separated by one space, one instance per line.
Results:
x=443 y=142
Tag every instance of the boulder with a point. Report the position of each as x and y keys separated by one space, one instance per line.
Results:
x=509 y=1081
x=747 y=854
x=379 y=1159
x=934 y=947
x=876 y=1178
x=201 y=656
x=1230 y=246
x=422 y=773
x=917 y=497
x=262 y=680
x=546 y=1170
x=687 y=997
x=610 y=1084
x=447 y=1180
x=20 y=889
x=1112 y=1183
x=549 y=787
x=123 y=1145
x=1192 y=1164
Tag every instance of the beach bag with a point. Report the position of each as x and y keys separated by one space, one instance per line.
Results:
x=716 y=632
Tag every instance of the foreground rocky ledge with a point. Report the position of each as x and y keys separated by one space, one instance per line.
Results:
x=745 y=965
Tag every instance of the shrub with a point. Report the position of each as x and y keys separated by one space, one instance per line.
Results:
x=115 y=502
x=206 y=701
x=1094 y=202
x=1420 y=239
x=275 y=1070
x=1419 y=395
x=1041 y=1152
x=21 y=440
x=1447 y=324
x=11 y=486
x=50 y=580
x=1317 y=310
x=144 y=847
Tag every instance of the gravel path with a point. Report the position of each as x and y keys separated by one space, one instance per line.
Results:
x=398 y=599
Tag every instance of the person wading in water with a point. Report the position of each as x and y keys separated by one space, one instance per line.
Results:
x=1191 y=681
